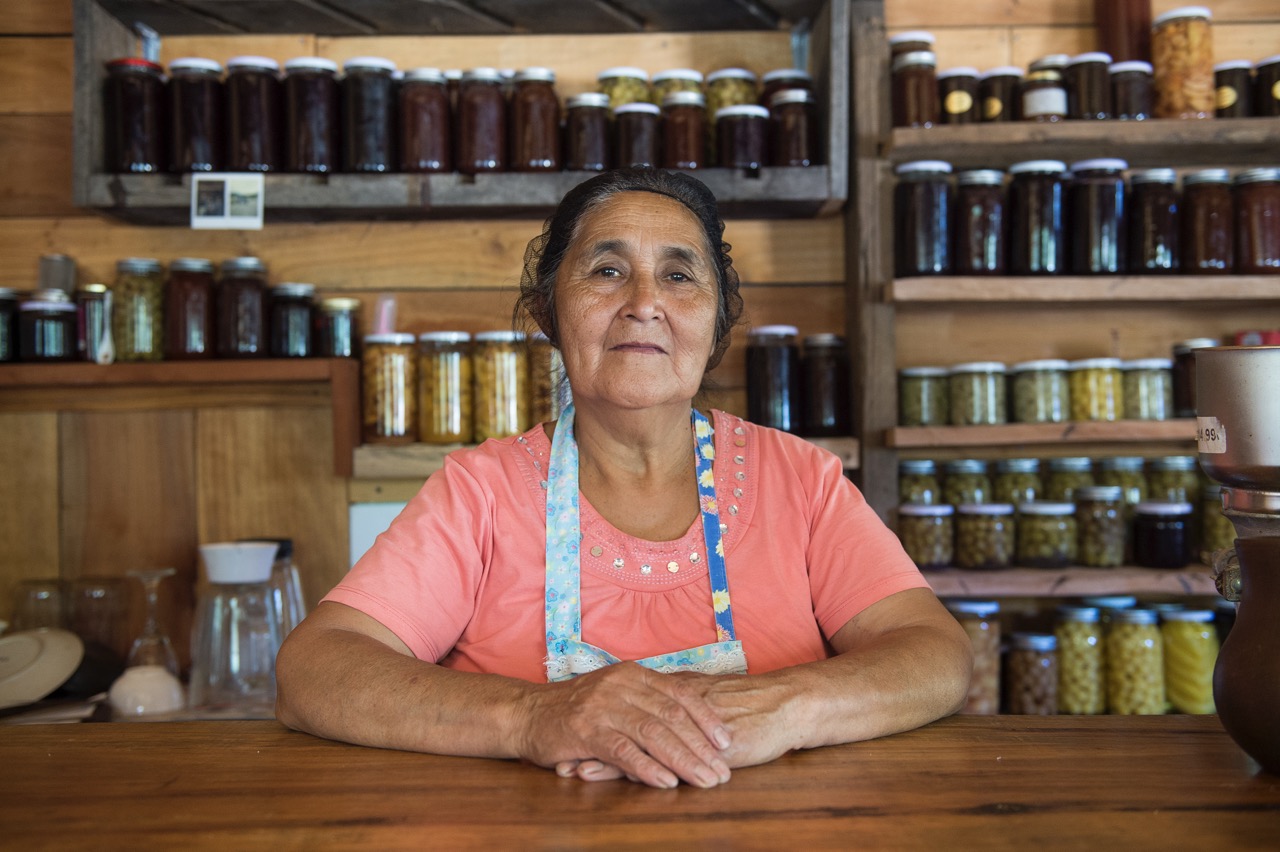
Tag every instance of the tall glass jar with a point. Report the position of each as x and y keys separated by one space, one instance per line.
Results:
x=1082 y=686
x=918 y=482
x=1190 y=654
x=793 y=128
x=1174 y=478
x=369 y=107
x=1097 y=217
x=444 y=387
x=289 y=320
x=1257 y=194
x=984 y=535
x=966 y=481
x=534 y=122
x=586 y=133
x=188 y=309
x=922 y=218
x=825 y=406
x=999 y=90
x=981 y=622
x=254 y=139
x=977 y=393
x=773 y=377
x=1066 y=475
x=1182 y=56
x=684 y=130
x=1207 y=230
x=727 y=87
x=1036 y=214
x=481 y=124
x=426 y=122
x=1017 y=481
x=914 y=85
x=1046 y=535
x=958 y=96
x=500 y=381
x=1044 y=96
x=1184 y=373
x=637 y=134
x=240 y=317
x=1233 y=89
x=1088 y=80
x=1153 y=222
x=981 y=223
x=196 y=134
x=1148 y=388
x=1135 y=664
x=927 y=533
x=675 y=80
x=312 y=123
x=93 y=324
x=1101 y=524
x=923 y=397
x=1033 y=675
x=137 y=313
x=1126 y=473
x=1266 y=86
x=1132 y=93
x=624 y=85
x=742 y=132
x=1041 y=391
x=337 y=328
x=1097 y=389
x=134 y=106
x=389 y=389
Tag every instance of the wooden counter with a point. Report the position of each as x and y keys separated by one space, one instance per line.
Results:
x=1172 y=782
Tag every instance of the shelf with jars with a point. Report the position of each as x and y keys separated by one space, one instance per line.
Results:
x=1071 y=582
x=1073 y=437
x=943 y=289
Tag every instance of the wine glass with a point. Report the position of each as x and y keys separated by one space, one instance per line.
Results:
x=152 y=648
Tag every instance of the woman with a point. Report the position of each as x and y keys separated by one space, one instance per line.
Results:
x=764 y=606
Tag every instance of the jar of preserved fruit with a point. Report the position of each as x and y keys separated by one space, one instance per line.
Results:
x=586 y=133
x=958 y=96
x=984 y=535
x=1044 y=97
x=312 y=123
x=1266 y=86
x=783 y=79
x=1101 y=524
x=500 y=378
x=188 y=309
x=977 y=394
x=1217 y=531
x=675 y=80
x=481 y=123
x=1097 y=389
x=1233 y=89
x=46 y=330
x=825 y=407
x=773 y=377
x=1173 y=478
x=910 y=41
x=980 y=223
x=1148 y=388
x=1124 y=27
x=1097 y=216
x=922 y=218
x=93 y=324
x=981 y=622
x=914 y=84
x=918 y=482
x=927 y=534
x=535 y=122
x=254 y=140
x=444 y=387
x=1082 y=687
x=1182 y=56
x=793 y=128
x=1037 y=192
x=1207 y=230
x=742 y=131
x=289 y=320
x=134 y=104
x=966 y=481
x=1041 y=391
x=624 y=85
x=636 y=126
x=1257 y=194
x=426 y=122
x=369 y=107
x=1088 y=82
x=1017 y=481
x=1132 y=90
x=389 y=388
x=337 y=328
x=196 y=134
x=240 y=326
x=1184 y=373
x=1033 y=675
x=548 y=387
x=684 y=130
x=1046 y=536
x=1190 y=653
x=1066 y=475
x=1161 y=534
x=1135 y=664
x=923 y=397
x=731 y=87
x=8 y=324
x=1153 y=226
x=137 y=312
x=999 y=90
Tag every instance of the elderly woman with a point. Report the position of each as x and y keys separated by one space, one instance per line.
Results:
x=640 y=589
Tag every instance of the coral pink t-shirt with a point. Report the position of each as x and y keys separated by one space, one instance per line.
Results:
x=459 y=575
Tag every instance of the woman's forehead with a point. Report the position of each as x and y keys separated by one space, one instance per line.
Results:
x=628 y=217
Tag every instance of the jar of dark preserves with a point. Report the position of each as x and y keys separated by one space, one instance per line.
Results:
x=1184 y=374
x=1233 y=88
x=783 y=79
x=289 y=311
x=1036 y=217
x=196 y=134
x=337 y=332
x=922 y=219
x=1208 y=224
x=8 y=324
x=1182 y=56
x=586 y=133
x=910 y=41
x=1161 y=534
x=254 y=140
x=311 y=115
x=1153 y=222
x=240 y=329
x=637 y=130
x=535 y=122
x=915 y=89
x=426 y=123
x=1044 y=97
x=46 y=331
x=1132 y=96
x=1266 y=87
x=481 y=118
x=1124 y=28
x=1097 y=215
x=742 y=131
x=793 y=128
x=137 y=310
x=773 y=377
x=1257 y=193
x=825 y=408
x=369 y=107
x=134 y=107
x=1088 y=81
x=188 y=309
x=958 y=96
x=93 y=324
x=684 y=130
x=999 y=90
x=981 y=225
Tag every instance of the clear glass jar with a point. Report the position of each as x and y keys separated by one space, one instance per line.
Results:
x=1233 y=88
x=793 y=128
x=731 y=87
x=1182 y=56
x=240 y=325
x=196 y=134
x=1037 y=201
x=369 y=107
x=910 y=41
x=481 y=123
x=1162 y=534
x=1173 y=478
x=1100 y=520
x=500 y=377
x=1184 y=373
x=1017 y=481
x=134 y=107
x=624 y=85
x=1044 y=96
x=254 y=140
x=93 y=324
x=684 y=130
x=1041 y=392
x=984 y=535
x=918 y=482
x=46 y=331
x=922 y=218
x=675 y=80
x=742 y=133
x=773 y=377
x=966 y=481
x=981 y=622
x=783 y=79
x=637 y=134
x=337 y=328
x=1132 y=90
x=999 y=90
x=980 y=223
x=1257 y=194
x=426 y=122
x=1066 y=475
x=548 y=388
x=586 y=133
x=535 y=122
x=1097 y=389
x=1128 y=474
x=1088 y=81
x=1097 y=217
x=1216 y=530
x=826 y=409
x=312 y=121
x=923 y=398
x=1046 y=535
x=1135 y=664
x=389 y=389
x=977 y=394
x=914 y=89
x=1207 y=225
x=1148 y=388
x=289 y=320
x=1082 y=663
x=927 y=533
x=137 y=312
x=958 y=96
x=1153 y=221
x=188 y=309
x=444 y=387
x=1033 y=675
x=1190 y=654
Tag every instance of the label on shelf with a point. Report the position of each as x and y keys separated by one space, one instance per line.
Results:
x=1211 y=435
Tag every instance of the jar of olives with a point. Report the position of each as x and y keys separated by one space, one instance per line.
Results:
x=444 y=387
x=389 y=389
x=1033 y=675
x=927 y=533
x=1066 y=475
x=1097 y=389
x=137 y=312
x=1082 y=688
x=1041 y=392
x=923 y=397
x=1216 y=530
x=918 y=482
x=1173 y=478
x=966 y=481
x=1135 y=664
x=1046 y=535
x=1127 y=473
x=1017 y=481
x=984 y=535
x=1148 y=388
x=981 y=622
x=624 y=85
x=1190 y=653
x=976 y=393
x=500 y=372
x=676 y=80
x=1101 y=524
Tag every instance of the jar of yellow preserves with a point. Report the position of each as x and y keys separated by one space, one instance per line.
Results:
x=1190 y=653
x=1017 y=481
x=389 y=389
x=500 y=381
x=981 y=622
x=1173 y=478
x=1097 y=389
x=444 y=387
x=1135 y=664
x=1148 y=388
x=1066 y=475
x=1082 y=688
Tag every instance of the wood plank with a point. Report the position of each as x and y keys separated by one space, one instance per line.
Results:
x=221 y=48
x=29 y=545
x=1124 y=288
x=36 y=151
x=37 y=75
x=974 y=46
x=49 y=17
x=1181 y=431
x=1070 y=582
x=924 y=14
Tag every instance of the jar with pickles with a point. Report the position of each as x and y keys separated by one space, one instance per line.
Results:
x=389 y=389
x=1173 y=478
x=923 y=397
x=1100 y=522
x=1082 y=687
x=137 y=313
x=1017 y=481
x=675 y=80
x=966 y=481
x=1135 y=664
x=984 y=535
x=444 y=387
x=1097 y=389
x=1066 y=475
x=976 y=393
x=1216 y=530
x=981 y=622
x=1190 y=653
x=918 y=482
x=927 y=533
x=624 y=85
x=1046 y=535
x=1033 y=675
x=1126 y=472
x=1040 y=390
x=500 y=371
x=1148 y=388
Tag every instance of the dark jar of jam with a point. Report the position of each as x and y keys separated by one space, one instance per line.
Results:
x=922 y=219
x=134 y=106
x=1233 y=89
x=793 y=128
x=586 y=133
x=780 y=79
x=426 y=122
x=46 y=331
x=998 y=90
x=481 y=120
x=8 y=324
x=1266 y=87
x=825 y=408
x=1153 y=222
x=368 y=115
x=684 y=130
x=1036 y=218
x=1132 y=90
x=914 y=82
x=240 y=329
x=636 y=126
x=196 y=134
x=1044 y=97
x=1257 y=193
x=1161 y=534
x=1088 y=81
x=337 y=328
x=254 y=140
x=1184 y=374
x=742 y=131
x=289 y=323
x=188 y=310
x=535 y=122
x=1097 y=217
x=773 y=377
x=981 y=225
x=1208 y=223
x=311 y=115
x=958 y=96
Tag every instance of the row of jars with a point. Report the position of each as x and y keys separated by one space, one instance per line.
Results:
x=1101 y=655
x=803 y=390
x=374 y=118
x=1047 y=219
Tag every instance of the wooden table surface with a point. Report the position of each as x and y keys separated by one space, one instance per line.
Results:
x=1172 y=782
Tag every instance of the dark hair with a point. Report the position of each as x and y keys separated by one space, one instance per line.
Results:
x=545 y=252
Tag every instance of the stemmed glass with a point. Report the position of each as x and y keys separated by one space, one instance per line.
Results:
x=152 y=648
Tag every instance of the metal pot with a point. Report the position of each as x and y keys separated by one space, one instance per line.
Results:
x=1238 y=415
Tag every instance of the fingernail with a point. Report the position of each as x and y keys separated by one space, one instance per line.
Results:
x=721 y=769
x=706 y=777
x=592 y=769
x=668 y=780
x=722 y=738
x=564 y=770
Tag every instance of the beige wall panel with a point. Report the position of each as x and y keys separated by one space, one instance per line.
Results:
x=222 y=48
x=1247 y=41
x=35 y=17
x=36 y=176
x=926 y=14
x=979 y=47
x=37 y=75
x=28 y=501
x=1030 y=43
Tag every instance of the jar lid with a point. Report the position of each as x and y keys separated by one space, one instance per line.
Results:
x=985 y=509
x=1086 y=614
x=923 y=372
x=1134 y=616
x=980 y=177
x=823 y=340
x=1095 y=364
x=424 y=75
x=1072 y=464
x=339 y=304
x=679 y=74
x=140 y=265
x=1091 y=56
x=978 y=367
x=731 y=74
x=965 y=466
x=239 y=561
x=535 y=73
x=1127 y=463
x=1233 y=65
x=399 y=339
x=1206 y=176
x=927 y=510
x=1101 y=493
x=743 y=110
x=1049 y=62
x=1163 y=508
x=1174 y=463
x=93 y=288
x=792 y=96
x=444 y=337
x=1044 y=364
x=623 y=71
x=260 y=63
x=1270 y=60
x=915 y=57
x=42 y=305
x=773 y=331
x=912 y=36
x=1182 y=12
x=246 y=263
x=1002 y=71
x=1153 y=176
x=293 y=288
x=931 y=166
x=50 y=294
x=637 y=106
x=1195 y=343
x=588 y=99
x=500 y=336
x=1018 y=465
x=134 y=63
x=1130 y=65
x=1038 y=166
x=917 y=466
x=1111 y=602
x=1258 y=175
x=1100 y=164
x=1198 y=616
x=980 y=608
x=368 y=63
x=195 y=63
x=1052 y=75
x=958 y=71
x=482 y=74
x=1041 y=642
x=311 y=63
x=1147 y=364
x=1046 y=507
x=785 y=74
x=695 y=99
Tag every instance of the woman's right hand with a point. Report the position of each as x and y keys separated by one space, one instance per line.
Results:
x=645 y=725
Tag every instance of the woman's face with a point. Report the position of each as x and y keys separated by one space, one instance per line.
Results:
x=636 y=302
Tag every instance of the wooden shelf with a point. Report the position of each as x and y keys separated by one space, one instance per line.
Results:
x=1050 y=438
x=1073 y=288
x=1071 y=582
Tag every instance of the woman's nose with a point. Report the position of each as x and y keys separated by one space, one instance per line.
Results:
x=644 y=297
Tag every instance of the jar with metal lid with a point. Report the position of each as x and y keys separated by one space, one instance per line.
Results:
x=638 y=134
x=624 y=85
x=1132 y=90
x=93 y=324
x=783 y=79
x=1037 y=197
x=731 y=87
x=481 y=123
x=793 y=128
x=369 y=107
x=826 y=409
x=337 y=328
x=1097 y=217
x=1101 y=524
x=922 y=218
x=981 y=623
x=1125 y=472
x=958 y=95
x=240 y=317
x=137 y=312
x=918 y=482
x=675 y=80
x=444 y=387
x=1017 y=481
x=1041 y=391
x=8 y=324
x=914 y=85
x=1082 y=662
x=548 y=387
x=1153 y=222
x=923 y=397
x=196 y=134
x=1135 y=664
x=927 y=533
x=742 y=131
x=1216 y=530
x=976 y=393
x=535 y=122
x=500 y=378
x=999 y=88
x=1174 y=478
x=1182 y=56
x=1207 y=231
x=254 y=141
x=1148 y=388
x=1257 y=195
x=1233 y=89
x=46 y=331
x=1097 y=389
x=188 y=310
x=1046 y=536
x=981 y=223
x=684 y=130
x=966 y=481
x=1088 y=83
x=1162 y=534
x=1044 y=97
x=289 y=320
x=426 y=122
x=984 y=536
x=1184 y=373
x=773 y=377
x=312 y=122
x=134 y=105
x=1067 y=474
x=1190 y=654
x=1032 y=682
x=586 y=133
x=910 y=41
x=1266 y=87
x=389 y=389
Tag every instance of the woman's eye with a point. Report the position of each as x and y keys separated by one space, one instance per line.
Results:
x=608 y=272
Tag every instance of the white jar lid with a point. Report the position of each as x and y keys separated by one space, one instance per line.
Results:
x=311 y=63
x=500 y=336
x=1002 y=71
x=1181 y=12
x=1130 y=65
x=588 y=99
x=637 y=106
x=773 y=331
x=376 y=63
x=744 y=110
x=1147 y=364
x=1199 y=616
x=1091 y=56
x=623 y=71
x=195 y=63
x=425 y=75
x=1046 y=507
x=261 y=62
x=923 y=372
x=484 y=74
x=1044 y=364
x=731 y=73
x=1095 y=364
x=1206 y=176
x=785 y=74
x=926 y=510
x=1162 y=507
x=1154 y=176
x=1100 y=164
x=444 y=336
x=985 y=509
x=1234 y=65
x=1046 y=166
x=399 y=339
x=678 y=74
x=957 y=71
x=938 y=166
x=538 y=73
x=978 y=367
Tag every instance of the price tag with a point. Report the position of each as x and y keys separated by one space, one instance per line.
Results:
x=1211 y=436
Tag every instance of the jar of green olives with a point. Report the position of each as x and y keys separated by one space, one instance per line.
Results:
x=1017 y=481
x=137 y=311
x=976 y=393
x=624 y=85
x=675 y=80
x=1041 y=392
x=927 y=533
x=1097 y=389
x=985 y=535
x=1101 y=524
x=981 y=623
x=727 y=87
x=1082 y=688
x=922 y=397
x=1216 y=530
x=1173 y=478
x=1046 y=536
x=1127 y=473
x=918 y=482
x=966 y=481
x=1066 y=475
x=1148 y=388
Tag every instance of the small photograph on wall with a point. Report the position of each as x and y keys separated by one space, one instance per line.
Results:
x=227 y=201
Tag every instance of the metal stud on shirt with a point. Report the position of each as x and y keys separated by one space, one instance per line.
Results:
x=597 y=550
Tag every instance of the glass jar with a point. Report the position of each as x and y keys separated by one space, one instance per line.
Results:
x=1184 y=373
x=134 y=106
x=444 y=387
x=826 y=409
x=481 y=123
x=1088 y=82
x=976 y=393
x=1190 y=654
x=253 y=114
x=1041 y=392
x=984 y=536
x=793 y=128
x=337 y=328
x=914 y=89
x=389 y=389
x=369 y=107
x=966 y=481
x=1097 y=217
x=918 y=482
x=1148 y=388
x=1044 y=97
x=426 y=122
x=637 y=134
x=731 y=87
x=93 y=324
x=1153 y=222
x=548 y=387
x=981 y=224
x=1257 y=195
x=923 y=398
x=1124 y=28
x=1161 y=534
x=742 y=131
x=240 y=327
x=1233 y=89
x=46 y=331
x=1033 y=675
x=586 y=133
x=783 y=79
x=1017 y=481
x=981 y=622
x=624 y=85
x=188 y=309
x=535 y=122
x=1135 y=664
x=1046 y=535
x=958 y=96
x=289 y=321
x=1126 y=473
x=1207 y=233
x=196 y=135
x=311 y=115
x=1182 y=56
x=910 y=41
x=500 y=381
x=773 y=377
x=1266 y=87
x=927 y=533
x=1036 y=215
x=1132 y=90
x=675 y=80
x=1097 y=389
x=8 y=324
x=137 y=311
x=1067 y=474
x=1082 y=687
x=999 y=90
x=1216 y=530
x=1174 y=478
x=1101 y=524
x=922 y=218
x=684 y=130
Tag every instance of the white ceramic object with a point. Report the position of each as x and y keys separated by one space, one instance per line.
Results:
x=34 y=663
x=146 y=691
x=238 y=561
